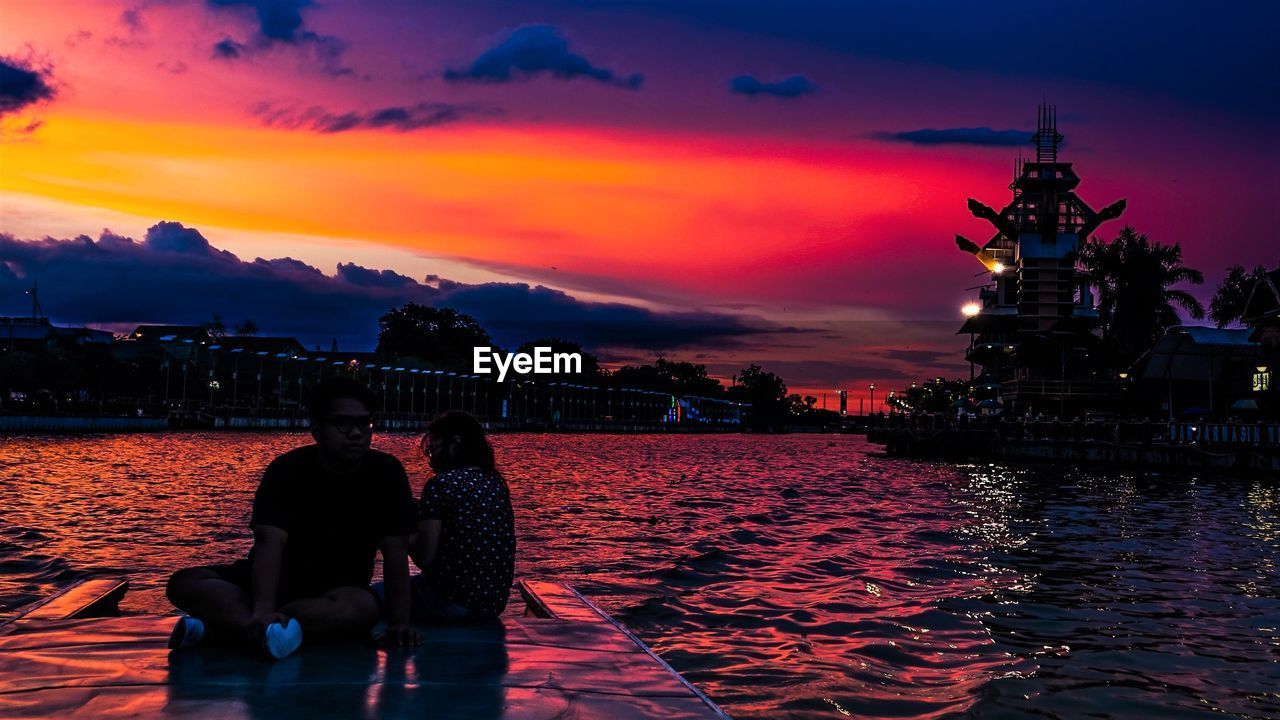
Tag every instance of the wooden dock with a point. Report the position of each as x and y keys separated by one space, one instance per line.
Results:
x=73 y=656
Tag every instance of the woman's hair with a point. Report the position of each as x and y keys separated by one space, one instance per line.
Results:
x=472 y=450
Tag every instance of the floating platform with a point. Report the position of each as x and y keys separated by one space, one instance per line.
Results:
x=73 y=655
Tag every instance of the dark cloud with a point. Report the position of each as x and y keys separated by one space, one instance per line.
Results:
x=921 y=357
x=823 y=373
x=290 y=266
x=280 y=22
x=532 y=50
x=228 y=49
x=277 y=19
x=792 y=87
x=509 y=309
x=176 y=276
x=132 y=19
x=984 y=136
x=364 y=277
x=402 y=119
x=78 y=38
x=22 y=85
x=173 y=237
x=1223 y=55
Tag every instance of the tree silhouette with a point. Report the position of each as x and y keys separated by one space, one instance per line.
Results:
x=1136 y=297
x=590 y=363
x=770 y=409
x=1227 y=305
x=679 y=378
x=216 y=327
x=247 y=328
x=442 y=337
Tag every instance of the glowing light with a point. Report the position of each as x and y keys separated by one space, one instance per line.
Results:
x=971 y=309
x=999 y=268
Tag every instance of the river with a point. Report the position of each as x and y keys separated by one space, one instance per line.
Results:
x=800 y=576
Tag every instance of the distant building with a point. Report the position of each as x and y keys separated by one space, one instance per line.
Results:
x=161 y=344
x=31 y=333
x=1194 y=371
x=1031 y=329
x=171 y=333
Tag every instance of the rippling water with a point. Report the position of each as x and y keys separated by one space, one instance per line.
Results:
x=788 y=576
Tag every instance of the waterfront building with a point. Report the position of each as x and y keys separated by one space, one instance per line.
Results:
x=34 y=355
x=1198 y=371
x=34 y=333
x=1262 y=315
x=1031 y=330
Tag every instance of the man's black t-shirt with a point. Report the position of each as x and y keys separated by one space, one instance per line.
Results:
x=334 y=520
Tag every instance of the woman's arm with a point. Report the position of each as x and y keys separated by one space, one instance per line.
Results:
x=425 y=542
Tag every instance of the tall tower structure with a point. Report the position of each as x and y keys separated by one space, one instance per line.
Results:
x=1031 y=330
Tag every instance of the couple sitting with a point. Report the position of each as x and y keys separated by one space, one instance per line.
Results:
x=323 y=511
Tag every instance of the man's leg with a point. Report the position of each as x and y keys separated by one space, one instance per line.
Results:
x=343 y=613
x=203 y=593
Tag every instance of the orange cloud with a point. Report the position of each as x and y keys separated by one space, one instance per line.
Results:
x=589 y=201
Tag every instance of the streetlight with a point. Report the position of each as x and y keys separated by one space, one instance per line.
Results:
x=413 y=390
x=213 y=366
x=384 y=369
x=873 y=398
x=399 y=382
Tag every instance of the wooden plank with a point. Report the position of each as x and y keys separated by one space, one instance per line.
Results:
x=94 y=597
x=533 y=603
x=524 y=668
x=623 y=629
x=560 y=601
x=557 y=601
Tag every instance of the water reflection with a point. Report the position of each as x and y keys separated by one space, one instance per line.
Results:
x=792 y=576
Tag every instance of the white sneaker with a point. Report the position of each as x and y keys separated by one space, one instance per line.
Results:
x=188 y=631
x=281 y=641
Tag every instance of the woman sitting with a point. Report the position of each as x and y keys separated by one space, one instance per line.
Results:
x=466 y=542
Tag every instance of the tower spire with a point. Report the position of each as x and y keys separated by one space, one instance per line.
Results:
x=1047 y=137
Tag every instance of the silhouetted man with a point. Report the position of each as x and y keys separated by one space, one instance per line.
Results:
x=320 y=515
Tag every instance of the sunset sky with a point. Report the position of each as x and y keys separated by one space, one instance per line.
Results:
x=722 y=182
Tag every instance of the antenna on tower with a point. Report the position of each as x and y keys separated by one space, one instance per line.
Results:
x=1017 y=173
x=1047 y=137
x=37 y=312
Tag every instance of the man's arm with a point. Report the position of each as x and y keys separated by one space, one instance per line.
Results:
x=425 y=542
x=395 y=572
x=268 y=555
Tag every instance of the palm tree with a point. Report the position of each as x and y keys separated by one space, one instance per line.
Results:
x=1136 y=297
x=1228 y=303
x=216 y=328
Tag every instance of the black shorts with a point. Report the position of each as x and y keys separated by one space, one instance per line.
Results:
x=240 y=574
